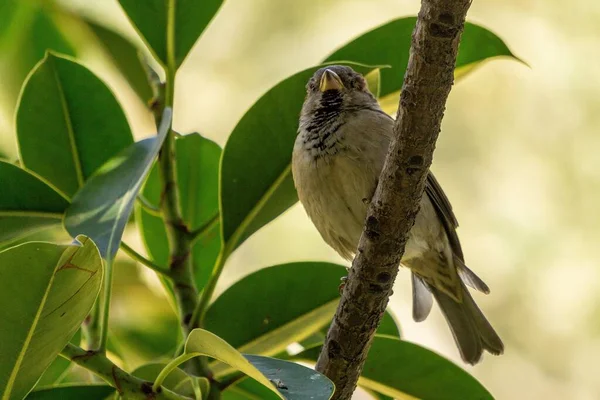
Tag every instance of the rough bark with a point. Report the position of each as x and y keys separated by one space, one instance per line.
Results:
x=427 y=83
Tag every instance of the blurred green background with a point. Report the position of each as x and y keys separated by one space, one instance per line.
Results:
x=517 y=156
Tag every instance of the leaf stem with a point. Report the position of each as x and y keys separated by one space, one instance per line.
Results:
x=127 y=385
x=170 y=367
x=104 y=308
x=143 y=260
x=204 y=229
x=148 y=206
x=197 y=320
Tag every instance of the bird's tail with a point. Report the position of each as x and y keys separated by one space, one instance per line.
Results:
x=471 y=330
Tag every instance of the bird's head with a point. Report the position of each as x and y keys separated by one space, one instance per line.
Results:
x=337 y=88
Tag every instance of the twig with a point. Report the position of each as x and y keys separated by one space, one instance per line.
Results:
x=149 y=207
x=392 y=212
x=127 y=385
x=204 y=229
x=143 y=260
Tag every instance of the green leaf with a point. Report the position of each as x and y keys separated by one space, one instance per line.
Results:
x=294 y=381
x=396 y=368
x=102 y=207
x=127 y=58
x=68 y=123
x=51 y=289
x=27 y=204
x=279 y=313
x=185 y=20
x=177 y=381
x=198 y=178
x=204 y=343
x=72 y=392
x=389 y=44
x=256 y=179
x=286 y=379
x=424 y=374
x=248 y=389
x=389 y=326
x=59 y=367
x=28 y=30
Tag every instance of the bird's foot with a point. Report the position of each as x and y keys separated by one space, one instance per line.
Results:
x=343 y=280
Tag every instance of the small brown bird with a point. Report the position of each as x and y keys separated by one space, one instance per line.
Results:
x=341 y=146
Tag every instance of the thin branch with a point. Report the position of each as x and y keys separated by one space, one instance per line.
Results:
x=127 y=385
x=391 y=215
x=143 y=260
x=204 y=229
x=149 y=207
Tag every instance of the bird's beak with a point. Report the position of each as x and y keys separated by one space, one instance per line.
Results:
x=330 y=81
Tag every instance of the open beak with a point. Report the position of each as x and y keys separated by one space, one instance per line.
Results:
x=330 y=81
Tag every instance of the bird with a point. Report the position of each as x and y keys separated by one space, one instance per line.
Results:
x=340 y=148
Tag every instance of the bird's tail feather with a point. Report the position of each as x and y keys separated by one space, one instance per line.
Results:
x=471 y=330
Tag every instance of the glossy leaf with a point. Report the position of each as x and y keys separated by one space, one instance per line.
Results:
x=397 y=368
x=68 y=123
x=59 y=367
x=202 y=342
x=198 y=178
x=279 y=313
x=27 y=31
x=185 y=19
x=389 y=326
x=256 y=189
x=389 y=44
x=126 y=57
x=51 y=289
x=294 y=381
x=102 y=207
x=72 y=392
x=248 y=389
x=27 y=204
x=177 y=381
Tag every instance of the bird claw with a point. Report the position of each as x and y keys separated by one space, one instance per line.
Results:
x=343 y=280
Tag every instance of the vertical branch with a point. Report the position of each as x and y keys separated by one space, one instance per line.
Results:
x=391 y=215
x=180 y=263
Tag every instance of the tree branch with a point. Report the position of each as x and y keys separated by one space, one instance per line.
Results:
x=128 y=386
x=391 y=215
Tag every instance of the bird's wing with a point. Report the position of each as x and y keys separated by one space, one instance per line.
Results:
x=444 y=209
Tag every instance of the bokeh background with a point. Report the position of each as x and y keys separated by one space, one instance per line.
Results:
x=518 y=156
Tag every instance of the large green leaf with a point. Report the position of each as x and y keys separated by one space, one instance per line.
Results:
x=279 y=313
x=204 y=343
x=102 y=207
x=26 y=204
x=72 y=392
x=256 y=178
x=181 y=21
x=397 y=368
x=286 y=379
x=68 y=123
x=389 y=44
x=248 y=389
x=27 y=31
x=177 y=381
x=51 y=289
x=126 y=57
x=198 y=178
x=295 y=381
x=59 y=367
